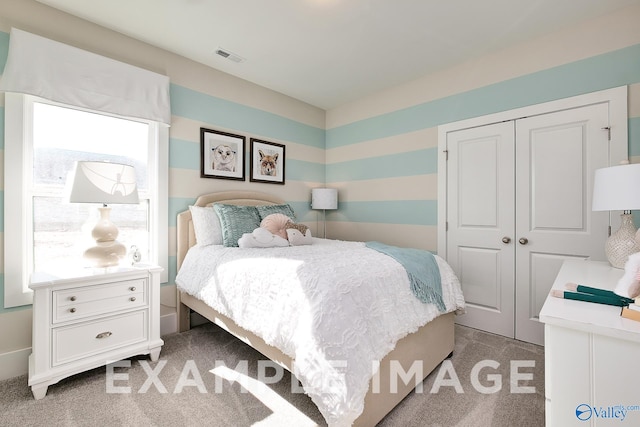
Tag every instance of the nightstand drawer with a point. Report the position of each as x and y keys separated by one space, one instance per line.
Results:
x=75 y=342
x=79 y=303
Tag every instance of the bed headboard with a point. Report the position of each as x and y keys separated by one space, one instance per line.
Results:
x=185 y=235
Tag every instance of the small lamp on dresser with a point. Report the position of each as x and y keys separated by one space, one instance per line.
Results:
x=325 y=199
x=106 y=183
x=617 y=188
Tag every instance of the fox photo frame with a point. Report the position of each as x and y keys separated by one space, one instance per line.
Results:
x=267 y=162
x=221 y=155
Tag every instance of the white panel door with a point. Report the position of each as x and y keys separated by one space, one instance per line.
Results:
x=556 y=156
x=480 y=216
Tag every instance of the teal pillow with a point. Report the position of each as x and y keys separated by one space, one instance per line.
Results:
x=235 y=221
x=266 y=210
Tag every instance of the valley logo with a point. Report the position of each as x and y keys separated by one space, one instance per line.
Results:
x=585 y=412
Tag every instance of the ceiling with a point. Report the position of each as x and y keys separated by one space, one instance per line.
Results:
x=330 y=52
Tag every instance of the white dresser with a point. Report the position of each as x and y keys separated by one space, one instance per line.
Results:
x=592 y=355
x=88 y=318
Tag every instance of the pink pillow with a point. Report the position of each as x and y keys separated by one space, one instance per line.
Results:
x=276 y=224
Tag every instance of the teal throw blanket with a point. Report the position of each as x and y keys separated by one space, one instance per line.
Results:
x=422 y=269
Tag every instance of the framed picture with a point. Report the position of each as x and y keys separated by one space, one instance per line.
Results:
x=267 y=162
x=221 y=155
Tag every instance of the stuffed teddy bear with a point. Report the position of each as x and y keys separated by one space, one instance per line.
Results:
x=629 y=285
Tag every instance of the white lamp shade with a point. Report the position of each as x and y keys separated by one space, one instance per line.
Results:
x=617 y=188
x=324 y=198
x=103 y=182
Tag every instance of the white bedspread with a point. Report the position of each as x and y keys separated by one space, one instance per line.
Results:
x=334 y=307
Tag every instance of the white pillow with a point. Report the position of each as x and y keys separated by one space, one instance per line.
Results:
x=296 y=238
x=206 y=225
x=261 y=238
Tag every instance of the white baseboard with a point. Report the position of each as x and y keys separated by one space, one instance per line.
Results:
x=14 y=363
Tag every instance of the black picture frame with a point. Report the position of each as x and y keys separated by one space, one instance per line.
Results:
x=267 y=162
x=222 y=155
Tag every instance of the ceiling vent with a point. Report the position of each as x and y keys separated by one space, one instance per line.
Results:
x=229 y=55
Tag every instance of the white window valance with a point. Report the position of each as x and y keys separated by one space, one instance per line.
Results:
x=59 y=72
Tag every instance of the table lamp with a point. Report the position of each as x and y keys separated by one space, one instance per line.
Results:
x=324 y=198
x=617 y=188
x=106 y=183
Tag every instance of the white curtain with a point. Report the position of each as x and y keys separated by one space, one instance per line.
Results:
x=59 y=72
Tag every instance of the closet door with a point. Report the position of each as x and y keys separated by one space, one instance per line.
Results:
x=556 y=156
x=480 y=217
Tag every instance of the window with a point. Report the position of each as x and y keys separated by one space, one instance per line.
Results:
x=44 y=232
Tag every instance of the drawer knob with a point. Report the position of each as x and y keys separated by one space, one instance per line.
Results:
x=73 y=298
x=132 y=289
x=72 y=310
x=132 y=299
x=103 y=335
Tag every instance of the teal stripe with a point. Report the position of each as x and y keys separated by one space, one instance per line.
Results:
x=220 y=112
x=184 y=154
x=409 y=212
x=392 y=165
x=4 y=49
x=612 y=69
x=300 y=170
x=303 y=211
x=634 y=136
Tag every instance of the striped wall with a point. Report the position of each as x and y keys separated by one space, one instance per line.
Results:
x=385 y=163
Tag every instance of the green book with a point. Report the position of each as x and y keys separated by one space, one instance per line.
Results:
x=598 y=299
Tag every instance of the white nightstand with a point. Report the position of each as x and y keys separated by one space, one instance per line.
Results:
x=91 y=317
x=591 y=354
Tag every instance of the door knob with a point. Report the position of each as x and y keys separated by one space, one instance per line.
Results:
x=523 y=240
x=506 y=239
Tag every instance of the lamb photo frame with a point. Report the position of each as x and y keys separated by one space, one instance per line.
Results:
x=267 y=162
x=221 y=155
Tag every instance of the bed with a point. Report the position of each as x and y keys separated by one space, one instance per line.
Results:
x=427 y=345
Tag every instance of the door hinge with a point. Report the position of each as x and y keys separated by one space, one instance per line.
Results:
x=609 y=231
x=446 y=226
x=608 y=129
x=446 y=154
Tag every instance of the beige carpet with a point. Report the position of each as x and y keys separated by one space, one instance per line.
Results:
x=192 y=399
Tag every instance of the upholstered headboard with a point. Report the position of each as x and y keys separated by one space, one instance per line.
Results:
x=185 y=234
